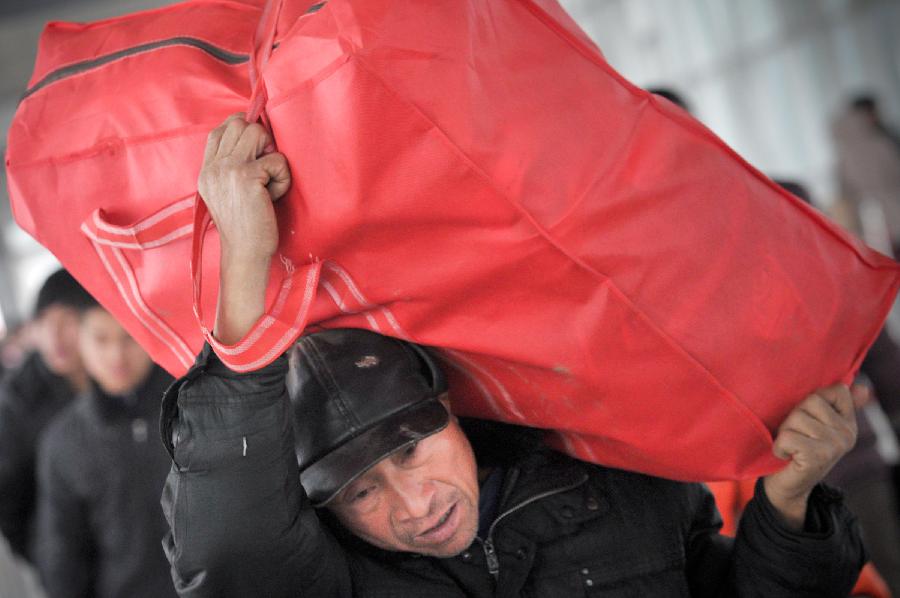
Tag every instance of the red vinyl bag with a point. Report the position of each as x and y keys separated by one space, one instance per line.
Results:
x=468 y=174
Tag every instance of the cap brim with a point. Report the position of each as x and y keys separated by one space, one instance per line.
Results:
x=325 y=478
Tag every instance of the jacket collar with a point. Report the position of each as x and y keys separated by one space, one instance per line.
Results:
x=531 y=469
x=143 y=401
x=542 y=473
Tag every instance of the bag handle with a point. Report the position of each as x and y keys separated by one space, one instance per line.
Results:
x=277 y=329
x=109 y=240
x=168 y=224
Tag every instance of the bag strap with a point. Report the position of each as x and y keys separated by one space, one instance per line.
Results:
x=260 y=52
x=279 y=327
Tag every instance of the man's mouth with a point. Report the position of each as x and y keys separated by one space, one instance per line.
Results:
x=443 y=529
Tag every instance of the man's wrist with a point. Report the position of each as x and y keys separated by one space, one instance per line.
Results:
x=791 y=509
x=243 y=256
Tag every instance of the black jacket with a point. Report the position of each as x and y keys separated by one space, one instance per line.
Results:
x=242 y=526
x=29 y=398
x=99 y=524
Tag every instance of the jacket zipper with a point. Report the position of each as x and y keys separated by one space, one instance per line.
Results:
x=230 y=58
x=490 y=552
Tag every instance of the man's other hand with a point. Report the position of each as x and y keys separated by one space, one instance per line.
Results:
x=814 y=436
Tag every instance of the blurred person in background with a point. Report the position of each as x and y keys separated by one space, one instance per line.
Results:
x=32 y=395
x=100 y=472
x=868 y=170
x=673 y=96
x=868 y=105
x=882 y=367
x=15 y=347
x=867 y=479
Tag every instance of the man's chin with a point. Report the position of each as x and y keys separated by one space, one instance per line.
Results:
x=456 y=545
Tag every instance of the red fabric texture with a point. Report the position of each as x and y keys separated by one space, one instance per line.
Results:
x=471 y=175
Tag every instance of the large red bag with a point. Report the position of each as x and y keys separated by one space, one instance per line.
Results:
x=469 y=174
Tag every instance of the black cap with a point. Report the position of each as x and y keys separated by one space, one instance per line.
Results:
x=61 y=288
x=358 y=397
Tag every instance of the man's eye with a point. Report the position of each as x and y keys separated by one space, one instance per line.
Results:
x=410 y=450
x=361 y=494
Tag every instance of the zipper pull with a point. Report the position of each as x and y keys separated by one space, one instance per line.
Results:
x=493 y=562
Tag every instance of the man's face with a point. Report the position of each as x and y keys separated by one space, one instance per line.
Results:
x=422 y=499
x=111 y=357
x=56 y=338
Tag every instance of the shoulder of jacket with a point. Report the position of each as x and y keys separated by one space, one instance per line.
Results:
x=69 y=429
x=26 y=381
x=628 y=486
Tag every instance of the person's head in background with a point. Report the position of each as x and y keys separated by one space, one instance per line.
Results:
x=867 y=105
x=671 y=95
x=837 y=213
x=796 y=188
x=112 y=358
x=55 y=325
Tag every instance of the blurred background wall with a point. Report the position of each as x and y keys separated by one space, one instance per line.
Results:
x=768 y=76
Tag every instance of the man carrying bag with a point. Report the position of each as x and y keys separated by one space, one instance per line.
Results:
x=409 y=507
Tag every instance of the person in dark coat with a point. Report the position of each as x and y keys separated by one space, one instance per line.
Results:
x=32 y=395
x=100 y=470
x=393 y=497
x=868 y=171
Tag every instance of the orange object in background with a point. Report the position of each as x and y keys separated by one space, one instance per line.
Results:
x=468 y=174
x=732 y=497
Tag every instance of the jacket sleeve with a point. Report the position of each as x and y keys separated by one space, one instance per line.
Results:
x=769 y=560
x=16 y=472
x=240 y=523
x=64 y=549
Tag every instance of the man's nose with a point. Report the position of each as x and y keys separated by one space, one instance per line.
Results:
x=413 y=496
x=57 y=332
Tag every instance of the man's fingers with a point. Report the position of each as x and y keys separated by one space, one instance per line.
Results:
x=815 y=441
x=819 y=408
x=279 y=174
x=252 y=142
x=790 y=442
x=803 y=423
x=861 y=395
x=807 y=452
x=840 y=399
x=214 y=139
x=212 y=144
x=234 y=128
